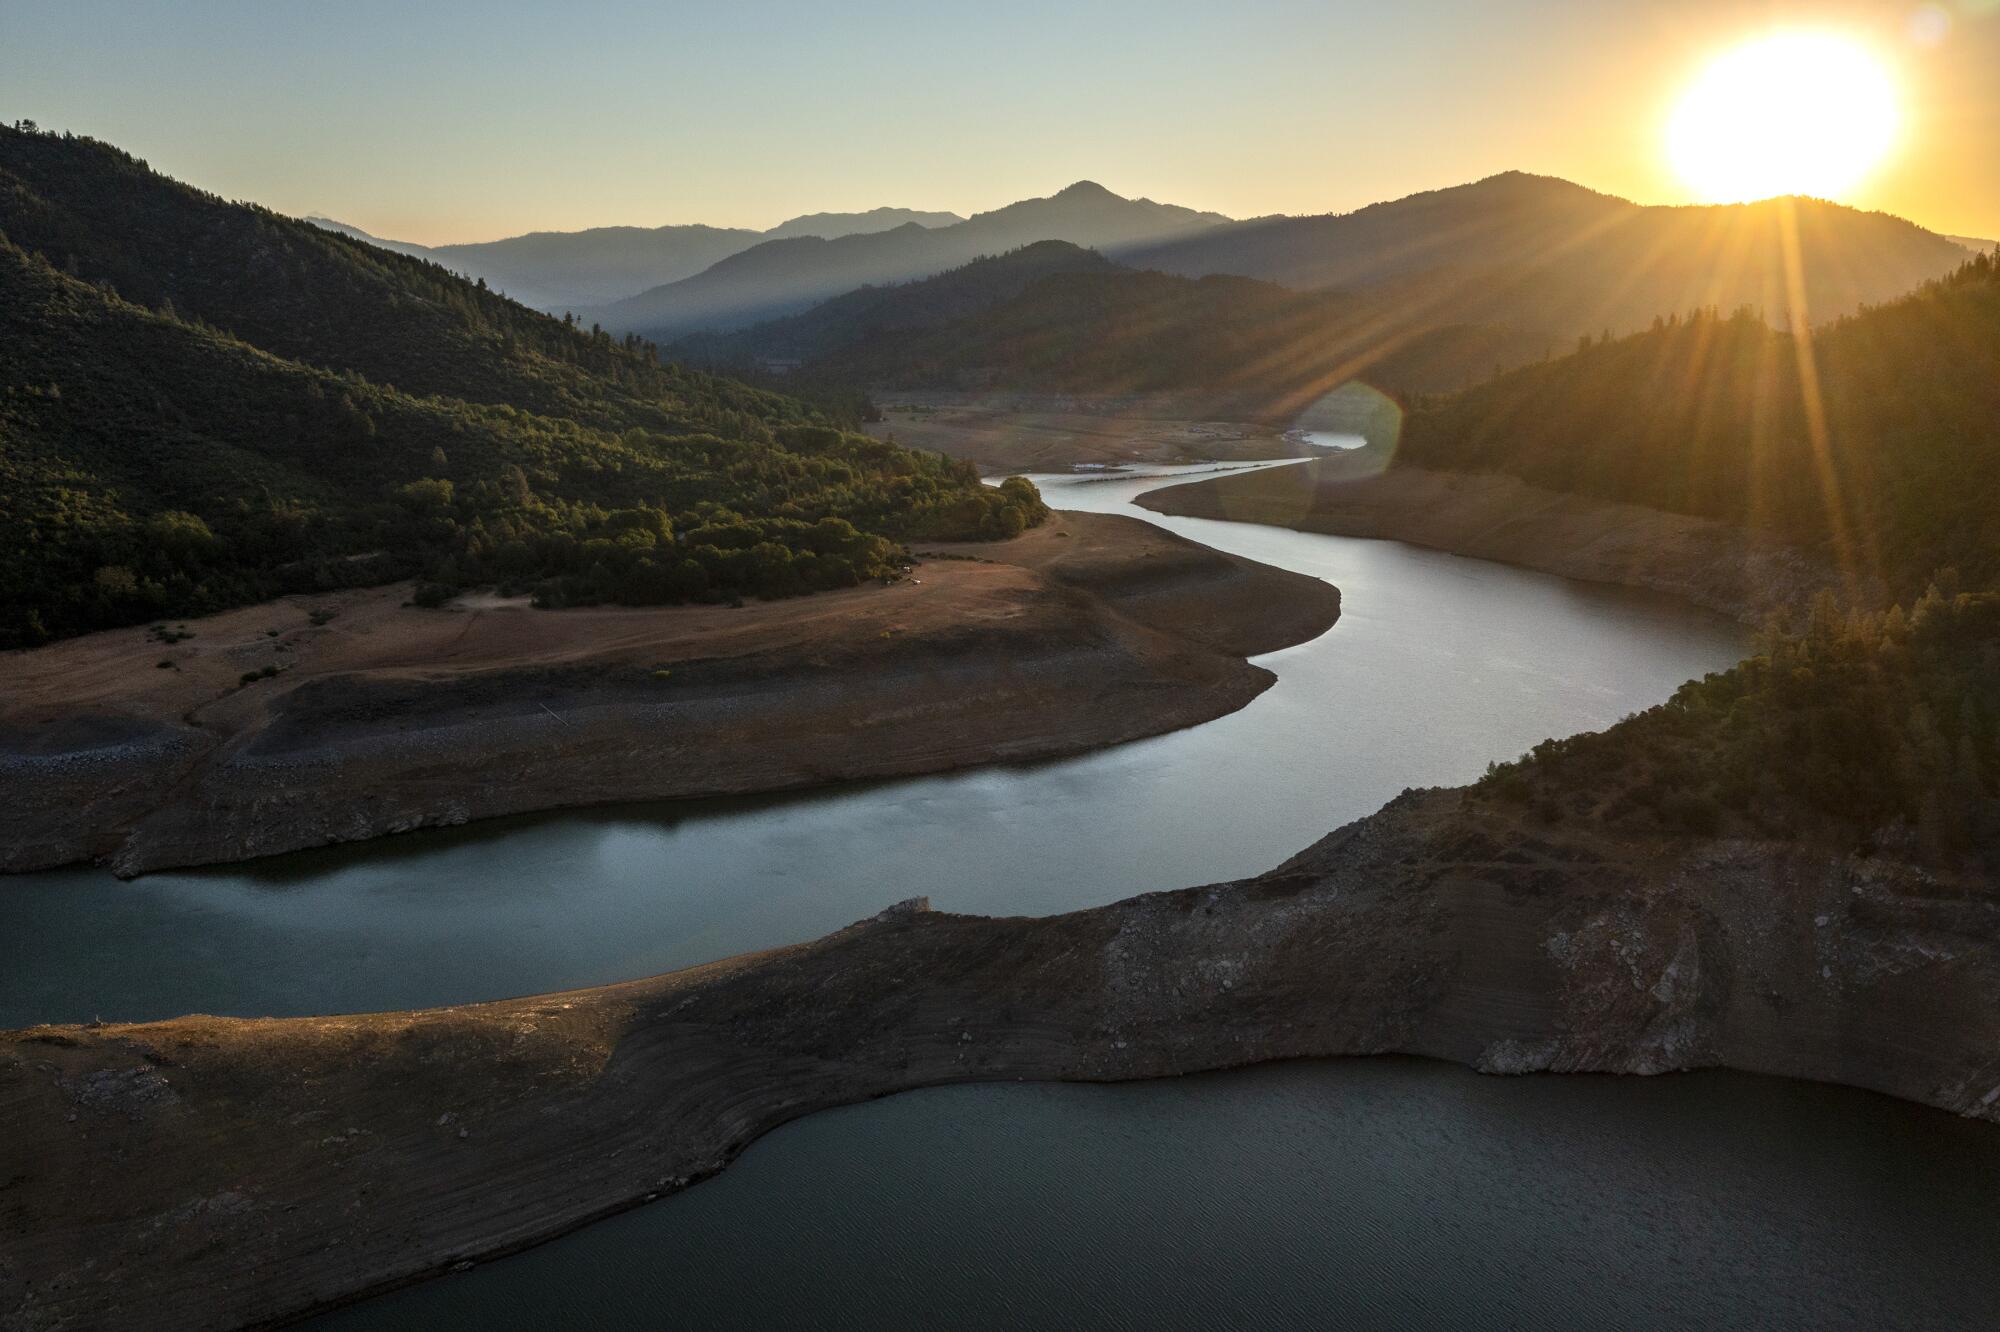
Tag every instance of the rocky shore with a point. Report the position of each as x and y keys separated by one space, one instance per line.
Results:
x=1737 y=572
x=150 y=751
x=246 y=1172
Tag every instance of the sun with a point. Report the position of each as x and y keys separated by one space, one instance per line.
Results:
x=1791 y=113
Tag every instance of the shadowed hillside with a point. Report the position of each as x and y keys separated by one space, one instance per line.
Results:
x=1426 y=295
x=783 y=277
x=560 y=271
x=1872 y=731
x=1543 y=253
x=563 y=270
x=205 y=404
x=1268 y=350
x=1878 y=440
x=1056 y=318
x=861 y=317
x=306 y=294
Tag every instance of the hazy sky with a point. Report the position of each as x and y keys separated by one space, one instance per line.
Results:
x=440 y=120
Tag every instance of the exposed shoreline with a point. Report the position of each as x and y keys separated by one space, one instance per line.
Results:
x=249 y=1171
x=340 y=1157
x=1745 y=575
x=1006 y=433
x=1090 y=631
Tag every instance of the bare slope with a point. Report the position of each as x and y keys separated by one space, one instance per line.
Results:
x=1090 y=631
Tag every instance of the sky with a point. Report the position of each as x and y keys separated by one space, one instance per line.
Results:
x=448 y=121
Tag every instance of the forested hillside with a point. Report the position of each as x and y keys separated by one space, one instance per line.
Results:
x=1053 y=317
x=323 y=299
x=870 y=313
x=1878 y=439
x=1544 y=253
x=1873 y=731
x=203 y=404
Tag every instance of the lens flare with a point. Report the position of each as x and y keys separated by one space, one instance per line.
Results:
x=1792 y=113
x=1930 y=25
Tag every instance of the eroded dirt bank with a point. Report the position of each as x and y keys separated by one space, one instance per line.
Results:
x=210 y=1172
x=1002 y=432
x=1092 y=630
x=1728 y=569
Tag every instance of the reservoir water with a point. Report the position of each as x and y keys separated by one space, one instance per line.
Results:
x=1353 y=1193
x=1437 y=665
x=1367 y=1193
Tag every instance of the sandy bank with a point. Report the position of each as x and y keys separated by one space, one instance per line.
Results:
x=1728 y=569
x=1090 y=631
x=249 y=1170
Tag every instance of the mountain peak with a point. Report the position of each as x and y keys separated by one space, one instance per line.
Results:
x=832 y=226
x=1085 y=190
x=1529 y=182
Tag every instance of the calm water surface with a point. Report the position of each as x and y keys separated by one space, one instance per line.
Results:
x=1438 y=665
x=1367 y=1193
x=1378 y=1193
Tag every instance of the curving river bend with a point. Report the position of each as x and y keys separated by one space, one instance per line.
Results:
x=1379 y=1192
x=1437 y=665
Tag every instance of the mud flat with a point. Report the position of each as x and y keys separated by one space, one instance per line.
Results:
x=1729 y=569
x=1008 y=433
x=244 y=1171
x=381 y=718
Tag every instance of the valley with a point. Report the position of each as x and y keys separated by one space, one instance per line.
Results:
x=1450 y=924
x=490 y=731
x=1675 y=964
x=1119 y=832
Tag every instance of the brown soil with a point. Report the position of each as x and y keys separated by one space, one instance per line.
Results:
x=1089 y=631
x=1008 y=435
x=211 y=1172
x=1740 y=573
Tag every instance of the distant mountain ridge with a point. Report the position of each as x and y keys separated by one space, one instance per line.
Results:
x=569 y=270
x=345 y=229
x=1554 y=255
x=1053 y=317
x=783 y=277
x=1519 y=264
x=1436 y=292
x=867 y=314
x=832 y=226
